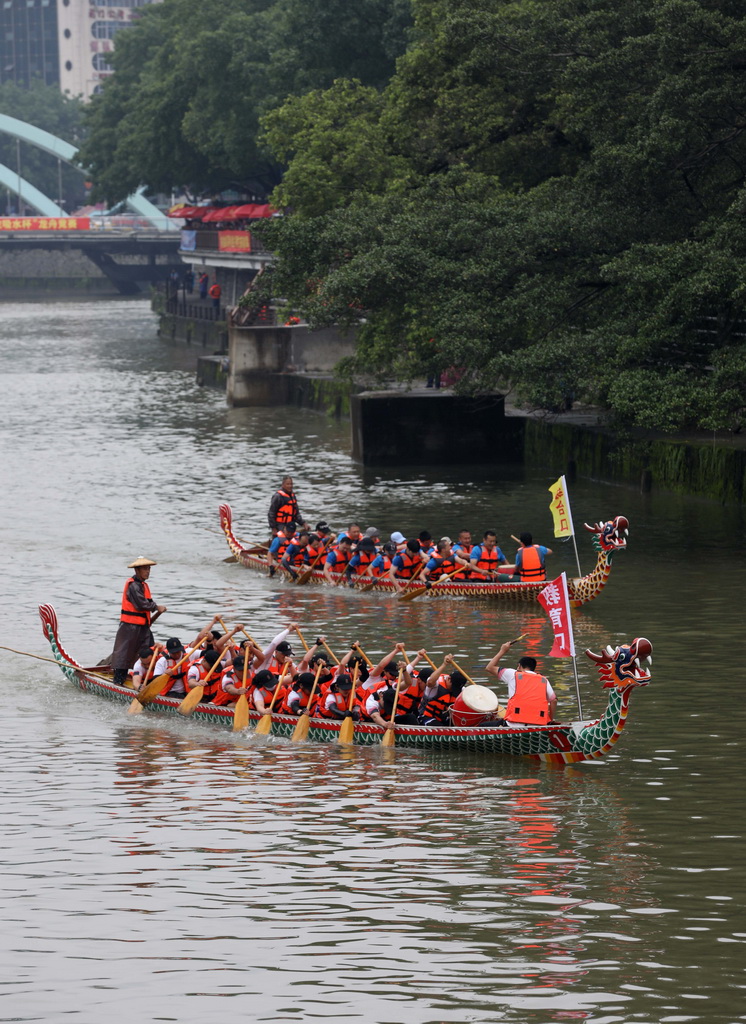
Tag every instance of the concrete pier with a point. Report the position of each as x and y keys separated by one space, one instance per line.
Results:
x=262 y=359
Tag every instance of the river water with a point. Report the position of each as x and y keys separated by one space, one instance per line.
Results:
x=162 y=871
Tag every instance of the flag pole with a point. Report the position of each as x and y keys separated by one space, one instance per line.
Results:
x=577 y=559
x=577 y=687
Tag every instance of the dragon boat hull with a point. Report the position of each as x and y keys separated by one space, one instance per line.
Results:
x=555 y=744
x=581 y=589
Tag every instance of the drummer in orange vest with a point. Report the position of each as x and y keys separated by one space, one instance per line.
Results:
x=531 y=699
x=138 y=608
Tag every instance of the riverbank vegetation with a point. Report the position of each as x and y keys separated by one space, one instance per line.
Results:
x=547 y=197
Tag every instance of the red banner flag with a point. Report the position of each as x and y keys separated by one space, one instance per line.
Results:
x=555 y=601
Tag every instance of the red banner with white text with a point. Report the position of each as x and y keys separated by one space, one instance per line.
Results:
x=45 y=223
x=555 y=601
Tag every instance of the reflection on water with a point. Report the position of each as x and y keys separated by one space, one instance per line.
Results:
x=153 y=869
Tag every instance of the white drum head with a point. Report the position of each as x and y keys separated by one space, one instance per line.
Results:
x=479 y=698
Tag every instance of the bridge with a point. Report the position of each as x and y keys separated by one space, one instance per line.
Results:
x=52 y=230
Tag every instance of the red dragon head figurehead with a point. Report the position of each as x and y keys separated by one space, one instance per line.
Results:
x=622 y=666
x=613 y=535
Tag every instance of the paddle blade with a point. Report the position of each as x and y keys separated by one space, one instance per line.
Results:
x=135 y=707
x=412 y=594
x=300 y=732
x=264 y=725
x=346 y=731
x=304 y=577
x=241 y=714
x=389 y=738
x=191 y=700
x=154 y=687
x=230 y=558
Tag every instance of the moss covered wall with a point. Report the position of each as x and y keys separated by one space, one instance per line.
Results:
x=714 y=471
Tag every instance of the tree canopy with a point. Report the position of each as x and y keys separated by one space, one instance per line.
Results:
x=191 y=82
x=545 y=196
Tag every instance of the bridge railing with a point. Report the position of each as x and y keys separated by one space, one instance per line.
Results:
x=176 y=305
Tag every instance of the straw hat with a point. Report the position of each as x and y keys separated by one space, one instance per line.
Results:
x=140 y=561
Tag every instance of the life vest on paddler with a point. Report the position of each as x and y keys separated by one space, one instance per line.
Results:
x=234 y=679
x=365 y=558
x=439 y=707
x=443 y=566
x=531 y=568
x=378 y=570
x=488 y=560
x=211 y=686
x=295 y=555
x=410 y=565
x=409 y=700
x=266 y=694
x=341 y=703
x=282 y=547
x=529 y=703
x=341 y=558
x=131 y=615
x=178 y=677
x=301 y=704
x=288 y=511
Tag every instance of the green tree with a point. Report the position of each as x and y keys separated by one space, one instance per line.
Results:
x=563 y=209
x=182 y=108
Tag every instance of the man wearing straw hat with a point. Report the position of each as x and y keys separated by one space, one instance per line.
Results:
x=138 y=608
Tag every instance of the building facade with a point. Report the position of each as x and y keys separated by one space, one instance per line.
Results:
x=62 y=42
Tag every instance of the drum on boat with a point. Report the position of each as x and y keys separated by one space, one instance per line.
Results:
x=474 y=705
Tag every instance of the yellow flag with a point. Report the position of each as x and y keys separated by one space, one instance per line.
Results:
x=560 y=508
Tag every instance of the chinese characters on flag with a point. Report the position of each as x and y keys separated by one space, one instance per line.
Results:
x=560 y=508
x=555 y=601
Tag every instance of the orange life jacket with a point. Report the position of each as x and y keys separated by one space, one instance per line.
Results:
x=288 y=511
x=531 y=568
x=281 y=547
x=488 y=560
x=342 y=703
x=341 y=559
x=178 y=676
x=529 y=703
x=297 y=556
x=366 y=557
x=301 y=705
x=443 y=567
x=131 y=615
x=212 y=684
x=408 y=700
x=410 y=565
x=439 y=706
x=234 y=679
x=267 y=696
x=377 y=571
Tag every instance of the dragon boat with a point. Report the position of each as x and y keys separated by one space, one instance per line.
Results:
x=621 y=670
x=608 y=538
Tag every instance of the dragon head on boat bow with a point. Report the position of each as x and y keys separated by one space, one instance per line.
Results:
x=623 y=666
x=611 y=536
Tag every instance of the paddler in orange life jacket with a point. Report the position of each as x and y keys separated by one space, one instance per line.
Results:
x=338 y=559
x=529 y=560
x=444 y=563
x=437 y=710
x=294 y=558
x=283 y=510
x=199 y=672
x=138 y=609
x=531 y=699
x=485 y=559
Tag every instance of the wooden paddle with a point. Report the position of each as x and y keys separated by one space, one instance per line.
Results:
x=264 y=725
x=196 y=694
x=302 y=639
x=389 y=737
x=419 y=591
x=304 y=722
x=305 y=576
x=332 y=655
x=135 y=707
x=241 y=713
x=359 y=648
x=53 y=661
x=346 y=732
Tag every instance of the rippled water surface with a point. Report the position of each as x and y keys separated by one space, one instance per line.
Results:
x=163 y=871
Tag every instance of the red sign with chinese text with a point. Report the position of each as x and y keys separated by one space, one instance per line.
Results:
x=555 y=601
x=45 y=223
